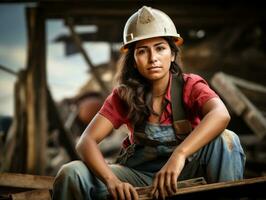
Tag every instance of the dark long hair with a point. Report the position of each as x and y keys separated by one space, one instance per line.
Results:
x=134 y=89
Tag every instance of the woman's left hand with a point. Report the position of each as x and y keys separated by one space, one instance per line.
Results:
x=165 y=181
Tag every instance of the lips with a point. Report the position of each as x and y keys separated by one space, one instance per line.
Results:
x=154 y=68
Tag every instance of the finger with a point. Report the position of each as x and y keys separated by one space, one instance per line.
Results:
x=174 y=182
x=113 y=194
x=154 y=184
x=120 y=191
x=161 y=186
x=134 y=193
x=168 y=184
x=127 y=193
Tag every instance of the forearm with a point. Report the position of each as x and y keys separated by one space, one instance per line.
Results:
x=88 y=149
x=93 y=158
x=210 y=127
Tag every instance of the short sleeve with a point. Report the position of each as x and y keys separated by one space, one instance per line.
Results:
x=198 y=92
x=114 y=109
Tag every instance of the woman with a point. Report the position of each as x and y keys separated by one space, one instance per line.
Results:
x=176 y=122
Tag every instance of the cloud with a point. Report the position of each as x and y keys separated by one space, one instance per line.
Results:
x=13 y=56
x=65 y=75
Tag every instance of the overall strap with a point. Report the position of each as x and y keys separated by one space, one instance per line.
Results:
x=178 y=111
x=180 y=123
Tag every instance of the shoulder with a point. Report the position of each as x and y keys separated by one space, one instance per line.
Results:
x=196 y=90
x=195 y=82
x=193 y=78
x=114 y=109
x=114 y=98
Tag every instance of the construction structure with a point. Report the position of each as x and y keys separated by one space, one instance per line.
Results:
x=222 y=36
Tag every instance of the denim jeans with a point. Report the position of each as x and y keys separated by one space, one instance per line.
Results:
x=222 y=159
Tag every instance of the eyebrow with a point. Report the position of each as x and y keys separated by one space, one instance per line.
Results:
x=157 y=44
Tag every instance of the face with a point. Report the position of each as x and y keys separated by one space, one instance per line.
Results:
x=153 y=58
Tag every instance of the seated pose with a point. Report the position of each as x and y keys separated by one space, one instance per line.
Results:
x=177 y=123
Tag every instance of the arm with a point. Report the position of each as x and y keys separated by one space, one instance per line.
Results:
x=215 y=120
x=89 y=152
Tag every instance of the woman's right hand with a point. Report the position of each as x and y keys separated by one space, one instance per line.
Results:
x=121 y=190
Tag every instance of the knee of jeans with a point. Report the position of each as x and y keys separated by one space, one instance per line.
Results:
x=71 y=170
x=231 y=141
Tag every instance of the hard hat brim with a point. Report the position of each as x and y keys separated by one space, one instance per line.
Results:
x=178 y=41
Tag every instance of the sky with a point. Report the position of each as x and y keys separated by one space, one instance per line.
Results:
x=65 y=75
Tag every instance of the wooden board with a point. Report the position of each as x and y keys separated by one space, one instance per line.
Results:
x=228 y=88
x=26 y=181
x=243 y=188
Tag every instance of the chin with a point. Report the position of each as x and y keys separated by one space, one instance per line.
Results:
x=154 y=77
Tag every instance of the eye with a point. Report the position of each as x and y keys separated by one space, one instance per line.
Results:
x=141 y=51
x=160 y=48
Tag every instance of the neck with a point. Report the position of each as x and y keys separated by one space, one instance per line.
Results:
x=159 y=87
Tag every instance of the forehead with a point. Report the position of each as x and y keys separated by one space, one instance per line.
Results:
x=151 y=42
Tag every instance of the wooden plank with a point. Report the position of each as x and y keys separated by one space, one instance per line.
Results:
x=245 y=187
x=256 y=122
x=41 y=194
x=248 y=84
x=239 y=103
x=256 y=93
x=26 y=181
x=228 y=92
x=144 y=192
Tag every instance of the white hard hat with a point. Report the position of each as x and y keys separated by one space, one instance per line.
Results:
x=147 y=23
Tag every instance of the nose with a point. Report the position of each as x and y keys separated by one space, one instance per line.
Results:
x=153 y=56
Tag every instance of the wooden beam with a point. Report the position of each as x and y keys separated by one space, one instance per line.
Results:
x=36 y=110
x=144 y=192
x=229 y=92
x=252 y=187
x=8 y=70
x=66 y=138
x=14 y=149
x=118 y=9
x=239 y=103
x=93 y=70
x=17 y=180
x=41 y=194
x=248 y=84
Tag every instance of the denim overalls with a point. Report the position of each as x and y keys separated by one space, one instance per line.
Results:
x=222 y=159
x=152 y=148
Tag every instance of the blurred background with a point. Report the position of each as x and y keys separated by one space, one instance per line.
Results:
x=58 y=60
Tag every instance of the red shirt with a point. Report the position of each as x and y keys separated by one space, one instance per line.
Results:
x=196 y=93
